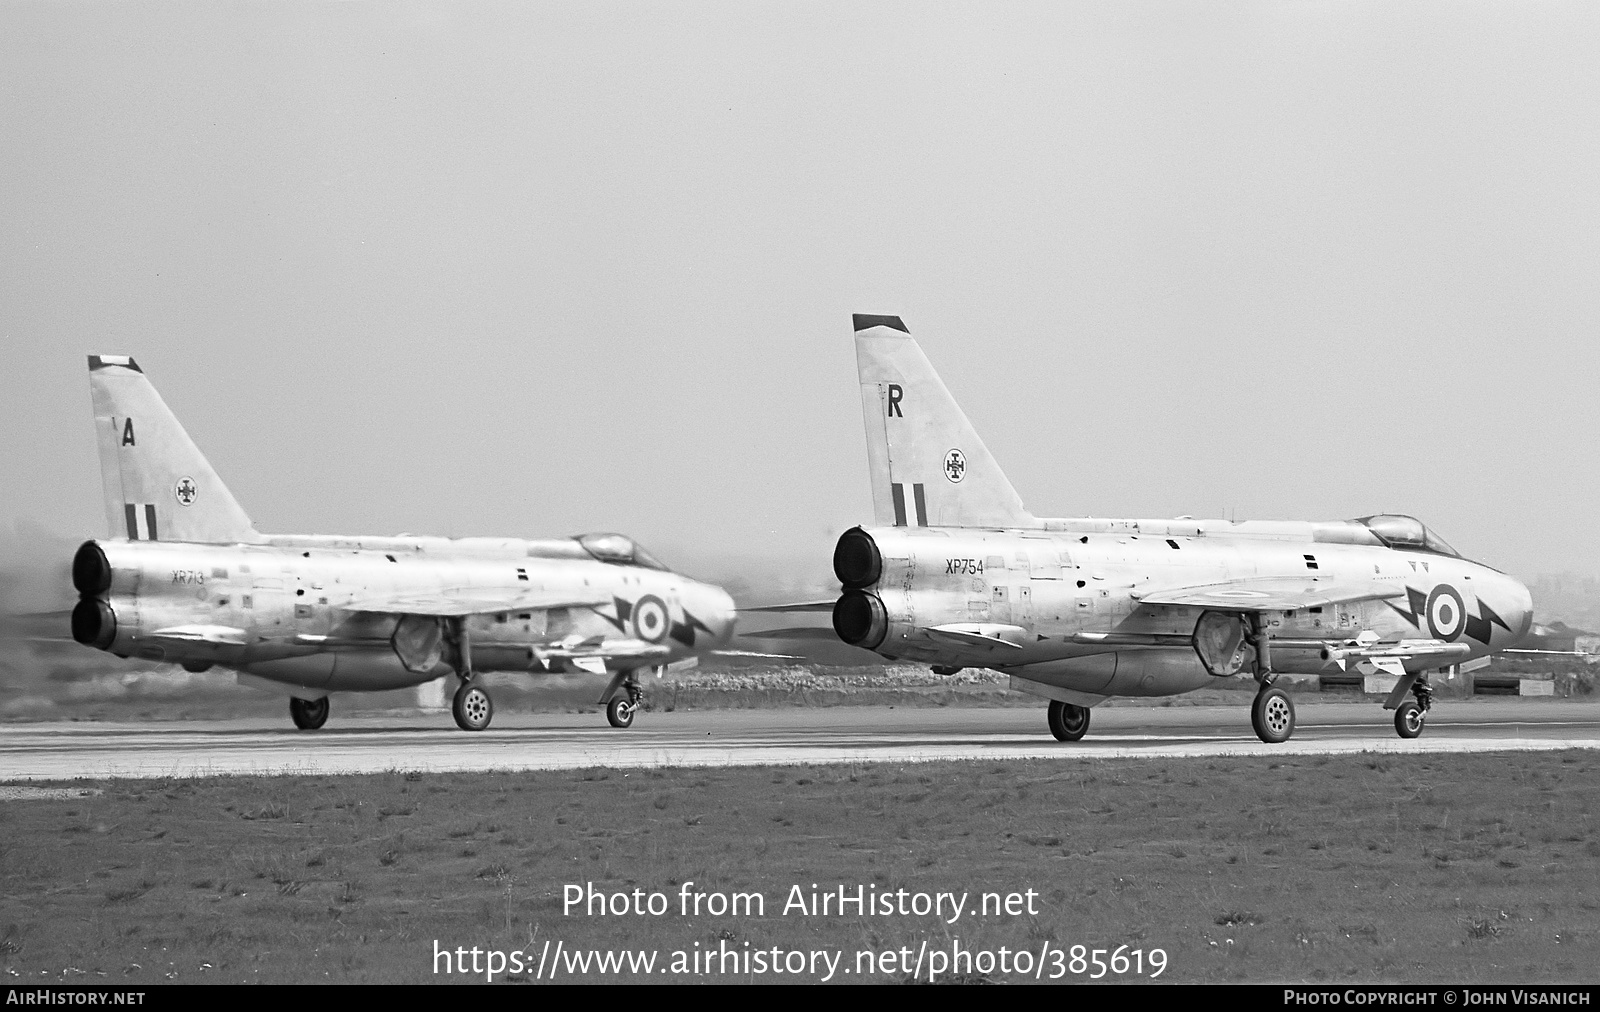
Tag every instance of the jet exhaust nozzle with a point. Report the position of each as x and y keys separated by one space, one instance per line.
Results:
x=856 y=560
x=94 y=624
x=91 y=571
x=860 y=619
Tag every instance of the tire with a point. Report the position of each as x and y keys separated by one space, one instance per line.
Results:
x=1067 y=722
x=1408 y=719
x=620 y=712
x=309 y=714
x=1272 y=716
x=472 y=708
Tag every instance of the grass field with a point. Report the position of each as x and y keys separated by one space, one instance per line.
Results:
x=1477 y=868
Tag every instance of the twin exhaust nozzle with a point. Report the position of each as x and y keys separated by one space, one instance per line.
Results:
x=859 y=618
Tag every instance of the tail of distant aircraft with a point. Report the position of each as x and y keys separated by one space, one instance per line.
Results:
x=929 y=468
x=158 y=485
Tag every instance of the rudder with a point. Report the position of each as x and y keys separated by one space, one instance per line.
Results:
x=158 y=485
x=928 y=466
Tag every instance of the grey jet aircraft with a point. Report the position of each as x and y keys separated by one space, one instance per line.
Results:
x=955 y=572
x=187 y=578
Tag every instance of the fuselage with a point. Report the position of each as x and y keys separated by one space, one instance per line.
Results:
x=290 y=609
x=1065 y=598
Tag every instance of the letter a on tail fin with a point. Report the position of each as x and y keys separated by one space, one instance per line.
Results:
x=929 y=468
x=158 y=485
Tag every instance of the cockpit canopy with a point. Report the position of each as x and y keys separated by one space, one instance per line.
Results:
x=1396 y=530
x=619 y=550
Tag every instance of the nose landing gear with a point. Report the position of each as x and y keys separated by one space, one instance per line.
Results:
x=1410 y=715
x=623 y=698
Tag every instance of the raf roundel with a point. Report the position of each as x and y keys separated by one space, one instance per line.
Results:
x=955 y=466
x=186 y=491
x=650 y=621
x=1447 y=616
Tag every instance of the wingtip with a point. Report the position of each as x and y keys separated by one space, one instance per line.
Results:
x=97 y=362
x=865 y=321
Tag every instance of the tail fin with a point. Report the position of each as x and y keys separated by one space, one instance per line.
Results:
x=929 y=468
x=158 y=485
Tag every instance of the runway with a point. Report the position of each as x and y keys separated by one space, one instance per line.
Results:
x=430 y=741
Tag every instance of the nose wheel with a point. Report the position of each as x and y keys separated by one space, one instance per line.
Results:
x=1408 y=718
x=620 y=711
x=472 y=707
x=623 y=698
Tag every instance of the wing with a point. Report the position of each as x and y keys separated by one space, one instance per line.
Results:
x=798 y=606
x=1272 y=593
x=805 y=632
x=478 y=601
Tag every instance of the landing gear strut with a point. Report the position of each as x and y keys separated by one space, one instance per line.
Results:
x=623 y=698
x=472 y=707
x=1272 y=713
x=1067 y=721
x=308 y=714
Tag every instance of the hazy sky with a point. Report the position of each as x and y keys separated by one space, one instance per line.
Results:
x=533 y=269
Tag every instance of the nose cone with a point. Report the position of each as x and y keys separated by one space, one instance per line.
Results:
x=712 y=606
x=1509 y=597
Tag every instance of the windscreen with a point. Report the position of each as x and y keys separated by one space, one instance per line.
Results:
x=619 y=550
x=1399 y=531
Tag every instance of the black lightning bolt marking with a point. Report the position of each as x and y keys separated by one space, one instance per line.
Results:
x=685 y=633
x=1481 y=626
x=624 y=609
x=1418 y=602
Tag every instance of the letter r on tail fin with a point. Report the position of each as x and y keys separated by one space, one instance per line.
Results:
x=928 y=466
x=158 y=485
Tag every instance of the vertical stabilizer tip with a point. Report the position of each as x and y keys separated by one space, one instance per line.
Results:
x=101 y=361
x=864 y=321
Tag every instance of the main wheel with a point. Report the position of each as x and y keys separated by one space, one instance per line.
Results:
x=472 y=708
x=308 y=714
x=620 y=711
x=1408 y=718
x=1272 y=715
x=1067 y=722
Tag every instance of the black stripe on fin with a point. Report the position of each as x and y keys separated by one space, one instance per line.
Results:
x=101 y=361
x=865 y=322
x=898 y=492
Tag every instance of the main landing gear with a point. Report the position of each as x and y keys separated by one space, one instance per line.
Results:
x=471 y=707
x=308 y=714
x=1067 y=722
x=623 y=698
x=1272 y=713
